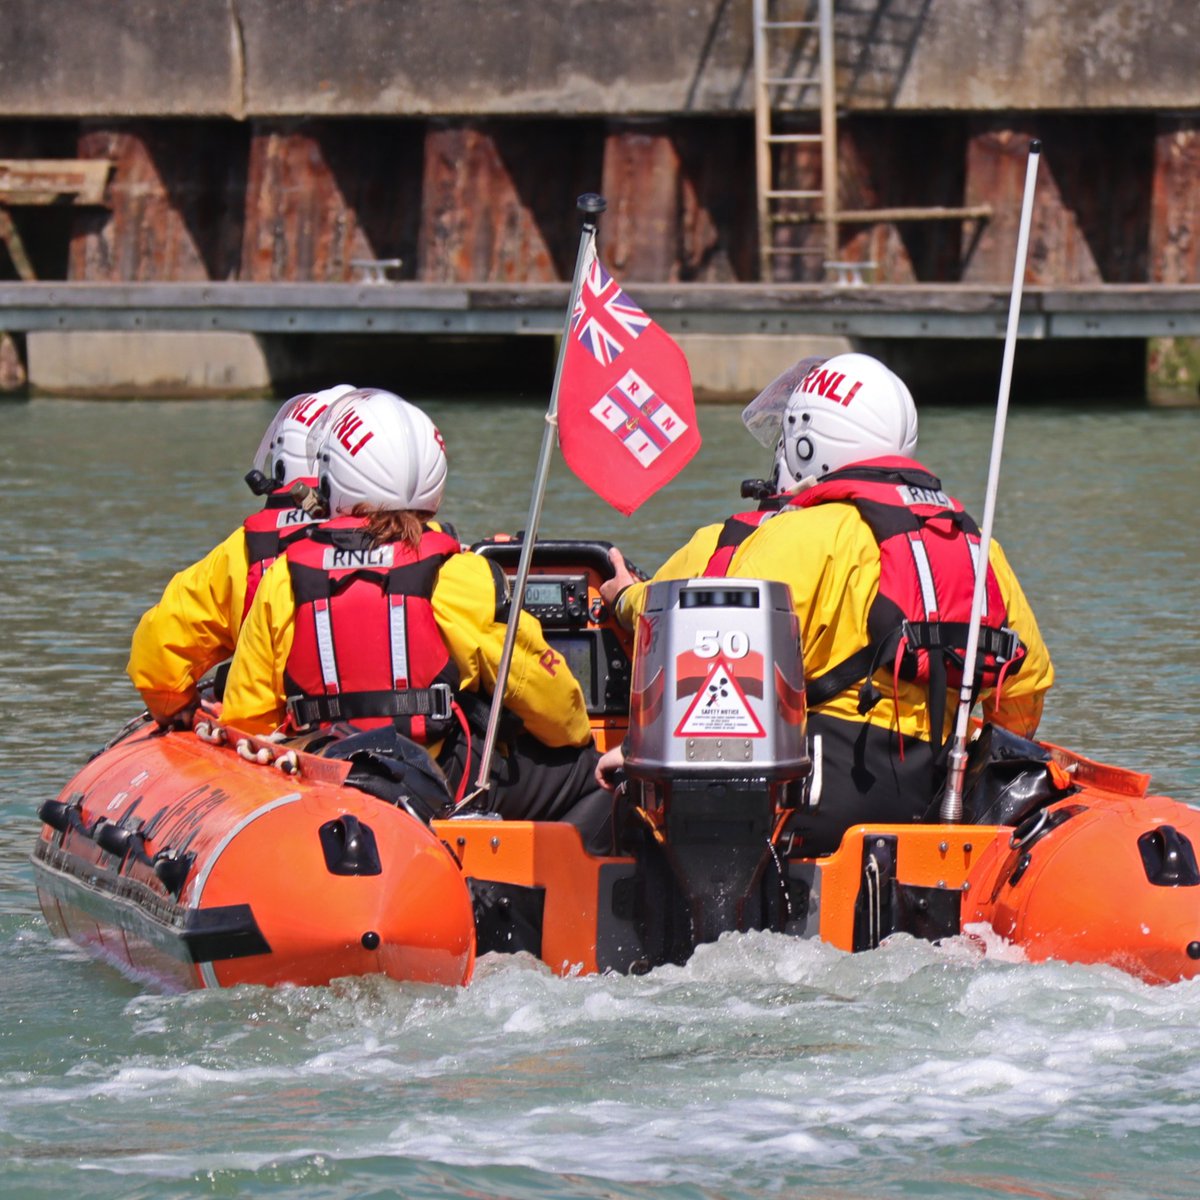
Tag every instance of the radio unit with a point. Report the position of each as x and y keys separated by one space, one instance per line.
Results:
x=558 y=601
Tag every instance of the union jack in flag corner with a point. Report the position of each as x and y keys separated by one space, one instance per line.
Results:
x=626 y=416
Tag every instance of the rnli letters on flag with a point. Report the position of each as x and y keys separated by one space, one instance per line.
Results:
x=626 y=417
x=645 y=423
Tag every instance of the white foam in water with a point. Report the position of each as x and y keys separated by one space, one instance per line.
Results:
x=997 y=948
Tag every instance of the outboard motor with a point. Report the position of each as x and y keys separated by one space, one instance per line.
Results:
x=716 y=754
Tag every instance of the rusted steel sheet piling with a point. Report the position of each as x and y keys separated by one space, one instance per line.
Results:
x=491 y=201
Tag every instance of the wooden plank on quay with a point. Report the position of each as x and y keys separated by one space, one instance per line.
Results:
x=35 y=181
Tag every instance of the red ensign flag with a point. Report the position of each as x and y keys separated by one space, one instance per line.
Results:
x=626 y=417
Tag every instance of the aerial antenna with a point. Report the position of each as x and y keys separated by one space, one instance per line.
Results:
x=951 y=808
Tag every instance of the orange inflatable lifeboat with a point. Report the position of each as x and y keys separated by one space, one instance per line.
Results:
x=195 y=864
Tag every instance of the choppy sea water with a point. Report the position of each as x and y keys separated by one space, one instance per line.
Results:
x=765 y=1066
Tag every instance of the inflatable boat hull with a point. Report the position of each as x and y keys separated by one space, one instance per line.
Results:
x=1108 y=874
x=185 y=863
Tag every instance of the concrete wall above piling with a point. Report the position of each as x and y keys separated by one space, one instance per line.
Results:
x=273 y=58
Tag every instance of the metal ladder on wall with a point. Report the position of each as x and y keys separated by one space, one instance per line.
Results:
x=793 y=57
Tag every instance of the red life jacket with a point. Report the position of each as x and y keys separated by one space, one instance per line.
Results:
x=367 y=647
x=280 y=521
x=928 y=546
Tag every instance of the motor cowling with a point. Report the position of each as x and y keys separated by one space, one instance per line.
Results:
x=716 y=753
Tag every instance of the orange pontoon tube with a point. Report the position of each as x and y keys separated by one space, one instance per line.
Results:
x=180 y=860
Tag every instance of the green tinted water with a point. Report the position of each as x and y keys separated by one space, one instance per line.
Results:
x=764 y=1067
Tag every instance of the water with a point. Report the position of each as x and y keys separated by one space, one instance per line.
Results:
x=765 y=1067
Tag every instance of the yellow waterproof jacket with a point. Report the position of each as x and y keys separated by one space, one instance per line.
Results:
x=829 y=558
x=540 y=688
x=191 y=629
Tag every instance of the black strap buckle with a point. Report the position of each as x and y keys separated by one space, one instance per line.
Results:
x=436 y=703
x=951 y=639
x=443 y=699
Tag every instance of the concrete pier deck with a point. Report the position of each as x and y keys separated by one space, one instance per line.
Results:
x=482 y=309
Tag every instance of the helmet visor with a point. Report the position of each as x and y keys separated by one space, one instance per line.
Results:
x=763 y=416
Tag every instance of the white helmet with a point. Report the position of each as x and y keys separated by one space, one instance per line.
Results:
x=282 y=455
x=848 y=409
x=375 y=448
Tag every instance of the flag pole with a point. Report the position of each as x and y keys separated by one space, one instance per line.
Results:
x=951 y=807
x=591 y=205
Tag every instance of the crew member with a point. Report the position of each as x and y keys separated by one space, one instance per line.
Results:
x=881 y=569
x=380 y=620
x=195 y=624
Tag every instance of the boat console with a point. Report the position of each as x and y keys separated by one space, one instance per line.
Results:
x=563 y=592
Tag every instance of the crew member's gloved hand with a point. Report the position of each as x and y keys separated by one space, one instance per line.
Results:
x=184 y=717
x=610 y=589
x=170 y=710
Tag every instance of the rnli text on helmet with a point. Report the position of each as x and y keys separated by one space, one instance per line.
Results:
x=826 y=383
x=346 y=426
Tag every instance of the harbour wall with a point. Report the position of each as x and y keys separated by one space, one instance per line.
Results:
x=287 y=141
x=385 y=58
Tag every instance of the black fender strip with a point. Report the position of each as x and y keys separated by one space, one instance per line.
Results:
x=193 y=935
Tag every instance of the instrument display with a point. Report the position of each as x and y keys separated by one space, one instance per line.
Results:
x=579 y=649
x=558 y=601
x=575 y=620
x=540 y=593
x=598 y=662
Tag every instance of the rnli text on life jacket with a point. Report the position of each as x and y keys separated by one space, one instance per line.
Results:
x=337 y=559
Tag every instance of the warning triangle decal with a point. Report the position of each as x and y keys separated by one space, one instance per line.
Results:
x=720 y=709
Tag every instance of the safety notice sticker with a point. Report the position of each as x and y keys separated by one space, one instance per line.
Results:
x=720 y=708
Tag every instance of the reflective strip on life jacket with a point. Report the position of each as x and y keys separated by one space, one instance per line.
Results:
x=325 y=651
x=973 y=543
x=398 y=634
x=929 y=597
